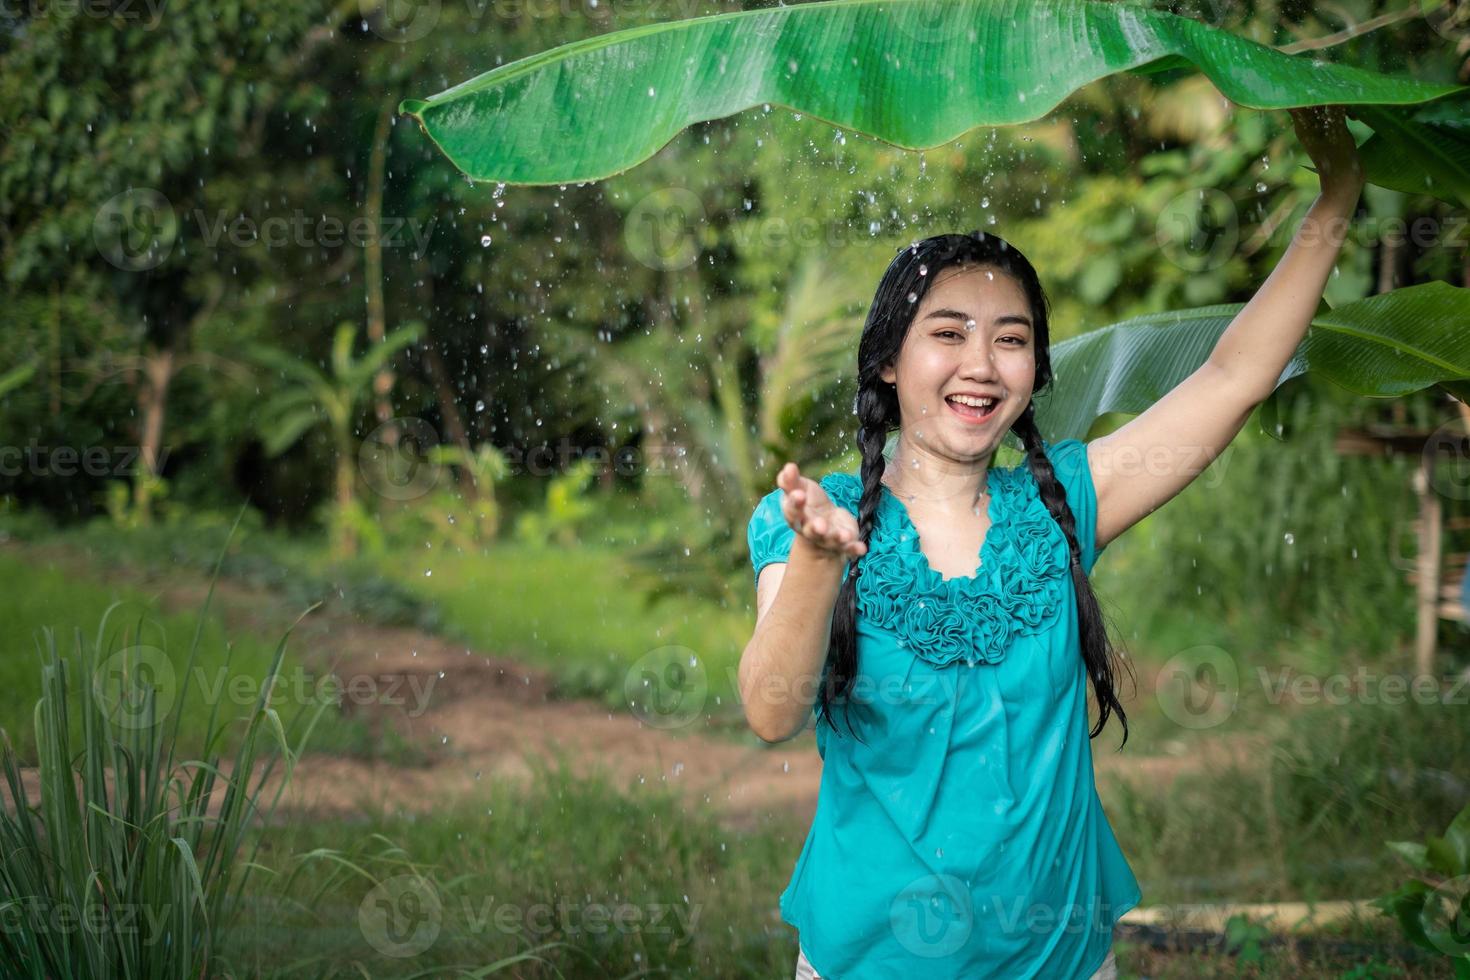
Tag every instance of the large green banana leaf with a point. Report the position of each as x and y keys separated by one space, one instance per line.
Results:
x=1384 y=345
x=914 y=73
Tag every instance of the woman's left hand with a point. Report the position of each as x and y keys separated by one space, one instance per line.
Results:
x=1323 y=131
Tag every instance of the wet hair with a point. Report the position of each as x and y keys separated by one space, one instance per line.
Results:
x=898 y=298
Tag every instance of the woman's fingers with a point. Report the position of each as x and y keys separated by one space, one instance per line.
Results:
x=827 y=530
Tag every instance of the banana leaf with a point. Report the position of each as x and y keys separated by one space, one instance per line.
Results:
x=913 y=73
x=1384 y=346
x=1420 y=152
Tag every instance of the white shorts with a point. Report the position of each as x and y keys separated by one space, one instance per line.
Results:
x=804 y=971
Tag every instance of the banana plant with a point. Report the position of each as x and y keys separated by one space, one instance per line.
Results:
x=698 y=423
x=312 y=397
x=914 y=73
x=1383 y=346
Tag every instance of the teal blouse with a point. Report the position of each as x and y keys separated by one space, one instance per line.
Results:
x=965 y=838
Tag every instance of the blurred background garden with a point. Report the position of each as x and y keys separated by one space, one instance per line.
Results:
x=269 y=365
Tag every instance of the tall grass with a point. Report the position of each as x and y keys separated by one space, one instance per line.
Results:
x=125 y=867
x=565 y=874
x=1292 y=541
x=1309 y=820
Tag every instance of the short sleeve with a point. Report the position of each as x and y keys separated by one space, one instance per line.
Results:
x=768 y=535
x=1069 y=461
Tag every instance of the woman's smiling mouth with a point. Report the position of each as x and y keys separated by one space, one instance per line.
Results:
x=974 y=413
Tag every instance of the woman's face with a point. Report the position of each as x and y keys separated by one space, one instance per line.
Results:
x=972 y=334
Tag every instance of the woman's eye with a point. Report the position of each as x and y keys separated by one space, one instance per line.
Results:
x=1020 y=341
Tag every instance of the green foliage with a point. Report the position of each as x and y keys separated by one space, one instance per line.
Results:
x=1300 y=820
x=1244 y=938
x=562 y=842
x=462 y=517
x=309 y=397
x=1433 y=906
x=120 y=869
x=1275 y=541
x=566 y=511
x=123 y=507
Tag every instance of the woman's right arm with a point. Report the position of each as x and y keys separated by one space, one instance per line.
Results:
x=782 y=664
x=800 y=574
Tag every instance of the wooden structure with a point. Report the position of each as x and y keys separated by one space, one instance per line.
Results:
x=1437 y=574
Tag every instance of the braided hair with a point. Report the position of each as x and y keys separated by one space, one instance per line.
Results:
x=898 y=297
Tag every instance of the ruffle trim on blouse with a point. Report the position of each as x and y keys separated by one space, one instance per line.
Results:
x=1017 y=591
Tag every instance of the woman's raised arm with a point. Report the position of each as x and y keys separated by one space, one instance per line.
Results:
x=1146 y=462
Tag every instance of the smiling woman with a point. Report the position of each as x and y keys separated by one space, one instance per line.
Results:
x=967 y=782
x=958 y=829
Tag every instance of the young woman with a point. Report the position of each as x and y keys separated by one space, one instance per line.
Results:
x=934 y=612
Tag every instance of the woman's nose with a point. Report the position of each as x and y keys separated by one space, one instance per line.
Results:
x=979 y=362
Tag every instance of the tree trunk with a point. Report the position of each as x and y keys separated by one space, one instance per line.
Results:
x=1388 y=263
x=158 y=370
x=449 y=408
x=377 y=315
x=347 y=530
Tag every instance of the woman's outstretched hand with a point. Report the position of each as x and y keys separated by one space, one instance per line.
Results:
x=1322 y=130
x=811 y=514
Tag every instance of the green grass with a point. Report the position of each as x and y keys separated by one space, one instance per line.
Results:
x=32 y=598
x=1311 y=820
x=571 y=612
x=683 y=896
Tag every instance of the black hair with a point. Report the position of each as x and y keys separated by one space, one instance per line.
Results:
x=899 y=294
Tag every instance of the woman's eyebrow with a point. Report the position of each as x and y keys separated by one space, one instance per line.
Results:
x=948 y=314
